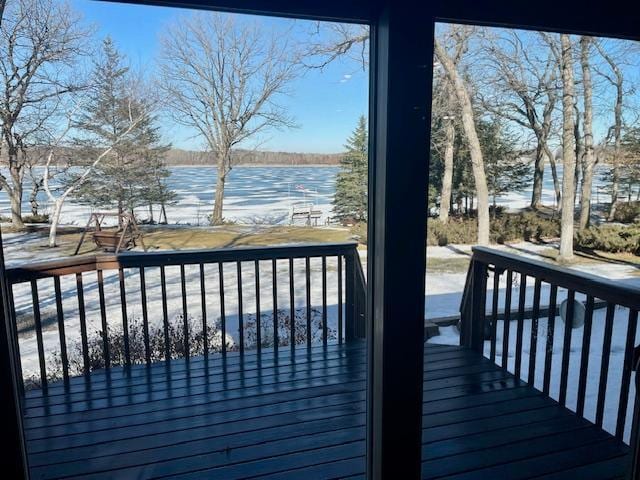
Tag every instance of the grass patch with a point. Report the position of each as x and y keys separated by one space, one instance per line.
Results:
x=186 y=238
x=447 y=265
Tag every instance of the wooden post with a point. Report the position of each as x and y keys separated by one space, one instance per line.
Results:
x=472 y=314
x=350 y=297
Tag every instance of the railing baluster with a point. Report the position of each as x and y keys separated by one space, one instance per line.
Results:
x=325 y=328
x=566 y=347
x=39 y=340
x=165 y=315
x=584 y=355
x=292 y=305
x=551 y=321
x=494 y=312
x=185 y=313
x=274 y=288
x=103 y=319
x=61 y=332
x=307 y=266
x=626 y=372
x=145 y=316
x=258 y=326
x=340 y=326
x=203 y=300
x=240 y=316
x=604 y=366
x=520 y=330
x=125 y=319
x=223 y=318
x=83 y=323
x=507 y=321
x=533 y=348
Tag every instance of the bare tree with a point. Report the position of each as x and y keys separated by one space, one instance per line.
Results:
x=589 y=159
x=223 y=79
x=616 y=79
x=344 y=40
x=39 y=38
x=522 y=88
x=568 y=148
x=461 y=34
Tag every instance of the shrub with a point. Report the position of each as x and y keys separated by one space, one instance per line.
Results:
x=627 y=212
x=610 y=238
x=41 y=218
x=175 y=334
x=506 y=227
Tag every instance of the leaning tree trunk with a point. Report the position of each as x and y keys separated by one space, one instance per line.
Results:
x=54 y=221
x=554 y=175
x=568 y=152
x=468 y=124
x=589 y=156
x=447 y=177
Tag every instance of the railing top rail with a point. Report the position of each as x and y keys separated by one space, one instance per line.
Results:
x=32 y=271
x=593 y=285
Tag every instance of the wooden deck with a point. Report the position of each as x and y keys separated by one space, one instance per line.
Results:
x=283 y=416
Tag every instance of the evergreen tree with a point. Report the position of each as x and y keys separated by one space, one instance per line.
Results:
x=133 y=174
x=350 y=201
x=506 y=170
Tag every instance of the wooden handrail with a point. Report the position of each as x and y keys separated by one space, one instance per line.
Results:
x=67 y=266
x=598 y=287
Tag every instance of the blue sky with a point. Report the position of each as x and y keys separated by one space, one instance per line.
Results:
x=325 y=104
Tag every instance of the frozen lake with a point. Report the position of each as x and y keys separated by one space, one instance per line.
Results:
x=256 y=195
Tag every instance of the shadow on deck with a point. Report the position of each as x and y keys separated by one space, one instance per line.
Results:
x=303 y=416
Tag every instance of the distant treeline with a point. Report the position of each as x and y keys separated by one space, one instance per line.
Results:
x=175 y=156
x=252 y=157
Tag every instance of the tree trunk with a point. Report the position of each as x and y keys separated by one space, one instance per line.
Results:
x=216 y=218
x=54 y=221
x=589 y=157
x=554 y=175
x=579 y=154
x=163 y=214
x=15 y=196
x=538 y=179
x=468 y=124
x=151 y=213
x=568 y=152
x=447 y=177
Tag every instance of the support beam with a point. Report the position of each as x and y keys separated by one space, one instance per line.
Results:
x=14 y=457
x=402 y=53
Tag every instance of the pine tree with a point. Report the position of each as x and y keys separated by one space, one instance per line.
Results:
x=133 y=174
x=506 y=171
x=350 y=201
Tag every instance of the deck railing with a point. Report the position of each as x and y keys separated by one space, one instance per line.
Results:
x=587 y=368
x=277 y=282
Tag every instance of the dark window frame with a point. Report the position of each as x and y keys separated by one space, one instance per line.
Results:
x=399 y=107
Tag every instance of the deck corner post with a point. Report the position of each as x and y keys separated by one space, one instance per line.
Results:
x=472 y=314
x=350 y=304
x=352 y=314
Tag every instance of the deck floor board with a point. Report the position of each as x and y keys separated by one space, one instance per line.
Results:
x=302 y=415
